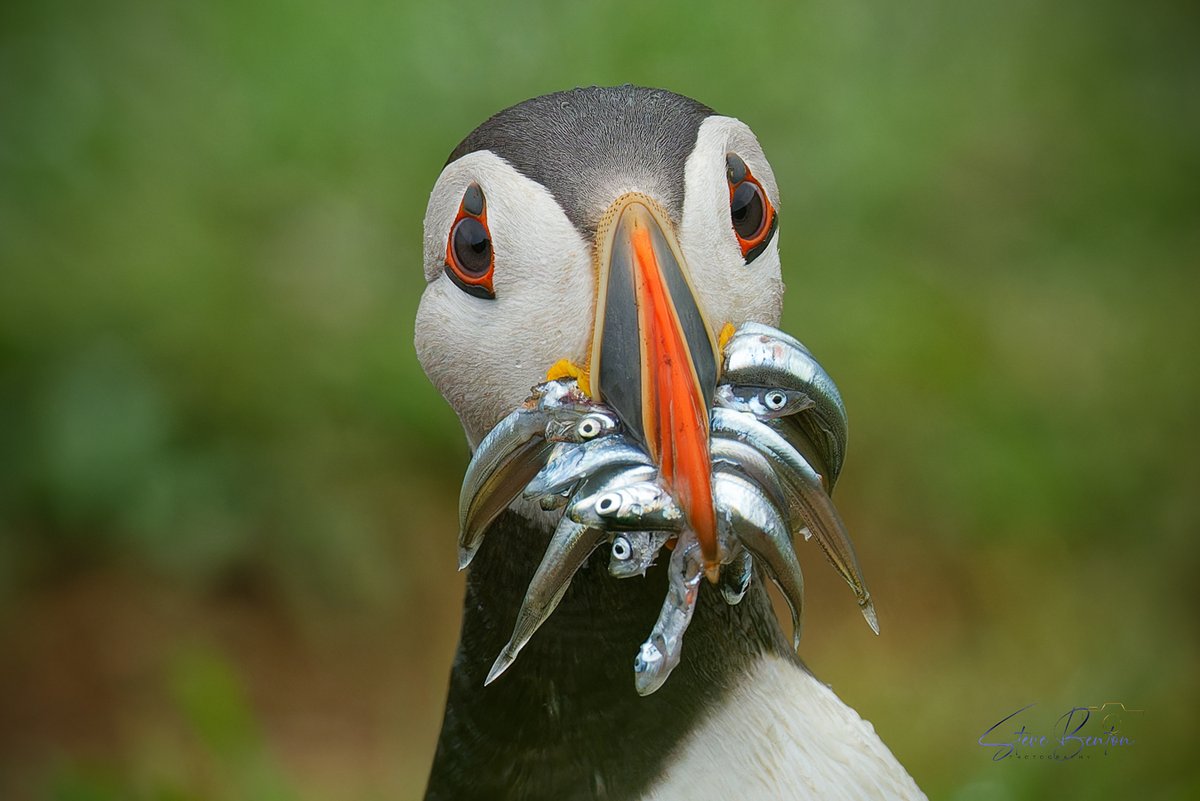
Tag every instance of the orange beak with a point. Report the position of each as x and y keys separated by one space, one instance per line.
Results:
x=654 y=357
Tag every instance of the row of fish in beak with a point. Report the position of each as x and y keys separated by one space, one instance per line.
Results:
x=778 y=442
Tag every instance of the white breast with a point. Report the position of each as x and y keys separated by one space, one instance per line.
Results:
x=782 y=734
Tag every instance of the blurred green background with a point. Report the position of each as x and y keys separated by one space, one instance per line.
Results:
x=227 y=491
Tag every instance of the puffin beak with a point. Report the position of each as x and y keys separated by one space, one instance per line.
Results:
x=654 y=358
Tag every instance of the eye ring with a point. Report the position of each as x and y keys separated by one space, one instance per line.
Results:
x=775 y=400
x=470 y=256
x=621 y=549
x=608 y=503
x=751 y=214
x=588 y=428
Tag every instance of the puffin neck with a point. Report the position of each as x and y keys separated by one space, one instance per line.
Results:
x=565 y=721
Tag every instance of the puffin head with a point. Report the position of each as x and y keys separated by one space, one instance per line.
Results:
x=611 y=234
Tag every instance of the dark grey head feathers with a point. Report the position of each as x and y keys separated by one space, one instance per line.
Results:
x=587 y=146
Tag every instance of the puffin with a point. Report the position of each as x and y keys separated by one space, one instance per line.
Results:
x=534 y=211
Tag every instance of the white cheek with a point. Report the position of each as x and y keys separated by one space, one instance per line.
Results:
x=457 y=339
x=731 y=290
x=485 y=355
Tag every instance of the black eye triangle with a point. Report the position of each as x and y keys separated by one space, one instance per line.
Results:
x=473 y=202
x=735 y=169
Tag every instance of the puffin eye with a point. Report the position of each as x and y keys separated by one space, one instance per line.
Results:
x=472 y=247
x=470 y=260
x=747 y=210
x=750 y=210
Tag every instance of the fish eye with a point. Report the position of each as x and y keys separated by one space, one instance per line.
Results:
x=750 y=210
x=608 y=503
x=588 y=428
x=621 y=548
x=775 y=400
x=470 y=259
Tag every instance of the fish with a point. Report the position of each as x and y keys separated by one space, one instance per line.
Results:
x=634 y=551
x=801 y=432
x=765 y=403
x=808 y=499
x=729 y=449
x=746 y=515
x=569 y=549
x=632 y=507
x=509 y=457
x=760 y=356
x=571 y=463
x=504 y=463
x=660 y=653
x=735 y=577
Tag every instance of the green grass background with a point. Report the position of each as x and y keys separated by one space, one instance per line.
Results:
x=227 y=491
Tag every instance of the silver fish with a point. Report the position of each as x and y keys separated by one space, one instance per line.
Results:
x=510 y=456
x=660 y=653
x=571 y=463
x=506 y=460
x=634 y=551
x=569 y=549
x=808 y=499
x=644 y=505
x=760 y=356
x=765 y=403
x=730 y=450
x=735 y=577
x=746 y=514
x=801 y=431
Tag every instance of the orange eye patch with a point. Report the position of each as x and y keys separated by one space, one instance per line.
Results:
x=470 y=258
x=750 y=210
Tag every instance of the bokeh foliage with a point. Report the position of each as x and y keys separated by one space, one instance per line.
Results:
x=210 y=227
